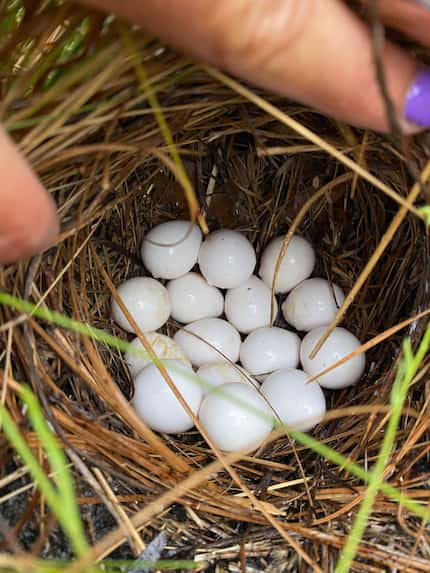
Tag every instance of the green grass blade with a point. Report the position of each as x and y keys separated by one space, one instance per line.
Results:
x=148 y=89
x=150 y=92
x=305 y=439
x=111 y=565
x=426 y=212
x=69 y=50
x=63 y=321
x=354 y=469
x=55 y=454
x=67 y=510
x=20 y=446
x=12 y=18
x=401 y=385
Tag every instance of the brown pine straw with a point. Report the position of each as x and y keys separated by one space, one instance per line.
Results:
x=276 y=168
x=308 y=134
x=122 y=517
x=373 y=261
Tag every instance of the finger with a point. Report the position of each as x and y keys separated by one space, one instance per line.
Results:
x=315 y=51
x=28 y=220
x=408 y=16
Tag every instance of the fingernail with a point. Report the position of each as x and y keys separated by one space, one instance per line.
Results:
x=417 y=105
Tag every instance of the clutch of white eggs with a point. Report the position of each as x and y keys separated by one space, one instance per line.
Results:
x=217 y=364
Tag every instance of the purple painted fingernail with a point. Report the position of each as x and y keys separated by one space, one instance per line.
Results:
x=417 y=106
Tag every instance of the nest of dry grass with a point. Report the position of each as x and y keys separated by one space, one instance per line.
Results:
x=96 y=145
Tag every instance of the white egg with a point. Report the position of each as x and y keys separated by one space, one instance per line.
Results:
x=170 y=249
x=164 y=348
x=208 y=341
x=312 y=303
x=226 y=258
x=247 y=306
x=215 y=375
x=268 y=349
x=338 y=345
x=157 y=405
x=236 y=417
x=147 y=300
x=297 y=263
x=192 y=298
x=300 y=404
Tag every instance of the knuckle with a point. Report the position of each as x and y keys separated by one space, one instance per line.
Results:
x=251 y=34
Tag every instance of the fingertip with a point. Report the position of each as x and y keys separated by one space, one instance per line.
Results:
x=28 y=217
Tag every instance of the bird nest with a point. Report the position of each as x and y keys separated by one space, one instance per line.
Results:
x=256 y=165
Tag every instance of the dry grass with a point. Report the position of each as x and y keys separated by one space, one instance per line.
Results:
x=96 y=145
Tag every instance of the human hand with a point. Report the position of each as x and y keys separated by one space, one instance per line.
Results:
x=315 y=51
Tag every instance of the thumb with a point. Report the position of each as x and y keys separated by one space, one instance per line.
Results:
x=28 y=220
x=315 y=51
